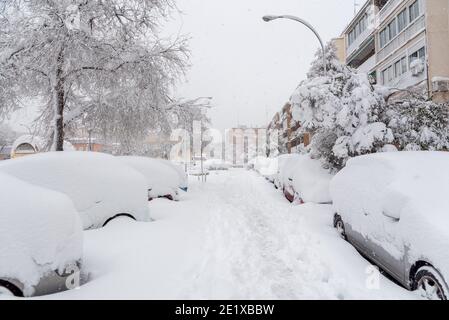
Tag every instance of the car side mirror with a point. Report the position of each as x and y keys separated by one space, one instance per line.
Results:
x=394 y=215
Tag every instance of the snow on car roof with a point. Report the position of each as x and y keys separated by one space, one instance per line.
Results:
x=99 y=185
x=418 y=180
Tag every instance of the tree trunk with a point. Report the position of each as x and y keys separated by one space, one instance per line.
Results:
x=59 y=102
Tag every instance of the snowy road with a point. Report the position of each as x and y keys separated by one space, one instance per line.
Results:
x=234 y=237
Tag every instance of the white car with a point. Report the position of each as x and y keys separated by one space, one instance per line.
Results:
x=101 y=187
x=41 y=239
x=162 y=181
x=394 y=208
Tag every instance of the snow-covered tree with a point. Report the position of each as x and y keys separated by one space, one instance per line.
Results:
x=7 y=135
x=418 y=124
x=341 y=109
x=87 y=56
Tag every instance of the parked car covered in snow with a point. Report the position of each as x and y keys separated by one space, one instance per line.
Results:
x=266 y=167
x=286 y=165
x=162 y=181
x=41 y=239
x=183 y=177
x=101 y=187
x=304 y=180
x=217 y=165
x=394 y=208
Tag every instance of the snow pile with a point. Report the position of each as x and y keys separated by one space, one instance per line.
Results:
x=99 y=185
x=217 y=165
x=398 y=200
x=40 y=231
x=161 y=180
x=310 y=180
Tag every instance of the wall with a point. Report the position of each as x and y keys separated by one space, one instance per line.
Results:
x=437 y=21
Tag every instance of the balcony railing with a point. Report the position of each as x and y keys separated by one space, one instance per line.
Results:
x=388 y=8
x=408 y=33
x=360 y=39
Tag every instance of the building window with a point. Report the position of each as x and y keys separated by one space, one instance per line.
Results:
x=404 y=65
x=414 y=11
x=402 y=20
x=359 y=28
x=393 y=29
x=420 y=54
x=384 y=37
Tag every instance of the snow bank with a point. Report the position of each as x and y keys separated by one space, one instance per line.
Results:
x=310 y=180
x=40 y=231
x=399 y=200
x=161 y=180
x=99 y=185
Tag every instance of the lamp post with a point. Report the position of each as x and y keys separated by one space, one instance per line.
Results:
x=269 y=18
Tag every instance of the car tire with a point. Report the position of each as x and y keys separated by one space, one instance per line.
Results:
x=430 y=284
x=121 y=215
x=9 y=289
x=340 y=226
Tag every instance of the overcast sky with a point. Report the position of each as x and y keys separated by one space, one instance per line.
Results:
x=248 y=66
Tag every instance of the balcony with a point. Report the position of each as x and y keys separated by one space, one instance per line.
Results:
x=387 y=9
x=359 y=41
x=408 y=33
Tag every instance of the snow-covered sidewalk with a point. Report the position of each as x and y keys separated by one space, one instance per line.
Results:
x=234 y=237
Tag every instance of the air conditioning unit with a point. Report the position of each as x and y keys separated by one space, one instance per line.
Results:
x=417 y=67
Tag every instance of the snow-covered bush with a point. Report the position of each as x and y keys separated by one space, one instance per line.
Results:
x=418 y=124
x=341 y=109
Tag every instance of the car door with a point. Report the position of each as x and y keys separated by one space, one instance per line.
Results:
x=386 y=247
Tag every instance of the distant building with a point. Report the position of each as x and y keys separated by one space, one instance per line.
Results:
x=29 y=144
x=243 y=143
x=94 y=145
x=285 y=130
x=402 y=44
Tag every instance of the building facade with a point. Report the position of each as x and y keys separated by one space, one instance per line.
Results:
x=402 y=44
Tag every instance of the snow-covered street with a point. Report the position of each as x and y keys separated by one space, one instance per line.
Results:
x=234 y=237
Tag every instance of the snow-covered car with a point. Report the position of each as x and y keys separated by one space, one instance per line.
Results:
x=304 y=180
x=162 y=181
x=266 y=167
x=285 y=169
x=41 y=239
x=394 y=208
x=101 y=187
x=183 y=177
x=216 y=165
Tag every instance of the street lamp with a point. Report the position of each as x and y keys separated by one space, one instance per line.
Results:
x=269 y=18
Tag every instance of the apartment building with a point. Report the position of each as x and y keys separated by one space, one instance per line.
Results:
x=286 y=131
x=401 y=44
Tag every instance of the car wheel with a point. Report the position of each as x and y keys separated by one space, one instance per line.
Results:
x=430 y=284
x=8 y=289
x=121 y=215
x=340 y=226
